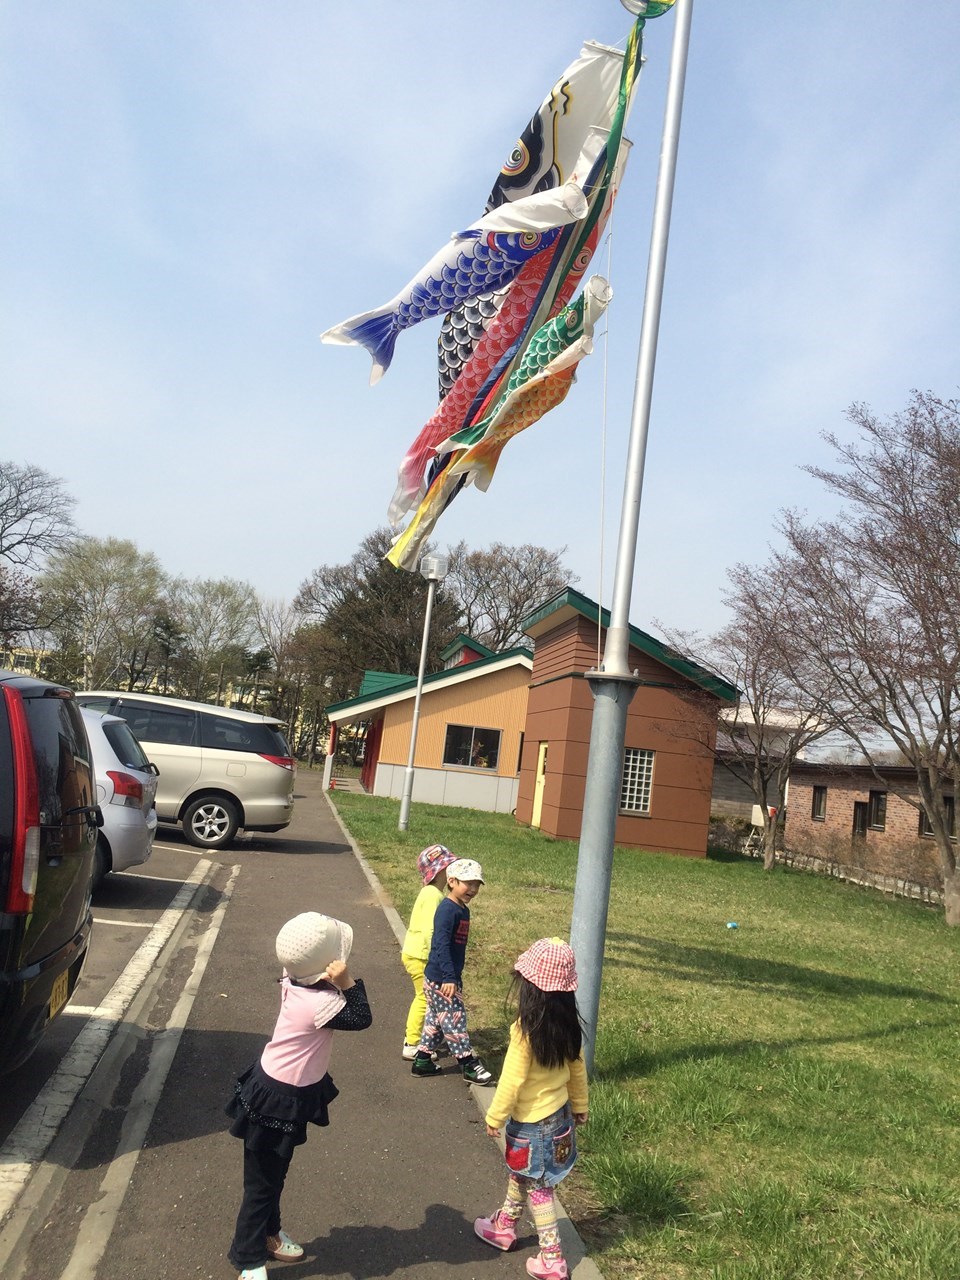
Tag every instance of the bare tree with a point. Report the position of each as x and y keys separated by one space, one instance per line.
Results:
x=35 y=514
x=499 y=586
x=875 y=598
x=101 y=595
x=785 y=704
x=19 y=606
x=217 y=621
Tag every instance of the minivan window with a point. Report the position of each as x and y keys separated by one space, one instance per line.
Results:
x=125 y=746
x=150 y=723
x=225 y=734
x=63 y=756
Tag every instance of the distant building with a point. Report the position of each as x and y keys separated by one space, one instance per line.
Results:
x=849 y=822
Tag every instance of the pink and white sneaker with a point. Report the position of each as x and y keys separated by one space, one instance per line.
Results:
x=547 y=1268
x=494 y=1232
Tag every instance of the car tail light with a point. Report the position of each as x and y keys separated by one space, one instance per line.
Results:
x=127 y=790
x=285 y=762
x=26 y=809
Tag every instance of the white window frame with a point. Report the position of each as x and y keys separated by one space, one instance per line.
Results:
x=636 y=780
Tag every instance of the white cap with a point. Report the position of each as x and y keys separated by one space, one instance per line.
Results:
x=465 y=869
x=309 y=942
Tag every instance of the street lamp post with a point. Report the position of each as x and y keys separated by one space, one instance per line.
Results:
x=434 y=569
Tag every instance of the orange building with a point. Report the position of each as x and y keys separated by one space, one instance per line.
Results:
x=468 y=737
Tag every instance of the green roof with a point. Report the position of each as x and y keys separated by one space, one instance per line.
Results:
x=401 y=684
x=573 y=601
x=374 y=681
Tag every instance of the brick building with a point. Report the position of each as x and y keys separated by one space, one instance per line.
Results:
x=862 y=827
x=670 y=734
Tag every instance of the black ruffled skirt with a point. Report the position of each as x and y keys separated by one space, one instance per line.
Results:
x=272 y=1116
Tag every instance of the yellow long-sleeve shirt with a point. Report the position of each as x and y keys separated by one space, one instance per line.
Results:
x=529 y=1091
x=419 y=934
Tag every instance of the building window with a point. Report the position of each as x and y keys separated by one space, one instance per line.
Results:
x=471 y=748
x=926 y=827
x=877 y=810
x=637 y=780
x=818 y=810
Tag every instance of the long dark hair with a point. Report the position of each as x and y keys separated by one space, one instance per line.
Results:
x=550 y=1022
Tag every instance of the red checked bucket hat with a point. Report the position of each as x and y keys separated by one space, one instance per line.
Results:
x=550 y=965
x=436 y=857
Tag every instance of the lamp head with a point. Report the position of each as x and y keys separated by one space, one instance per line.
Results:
x=435 y=568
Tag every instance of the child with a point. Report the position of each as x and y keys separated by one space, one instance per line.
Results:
x=542 y=1096
x=432 y=865
x=446 y=1016
x=290 y=1085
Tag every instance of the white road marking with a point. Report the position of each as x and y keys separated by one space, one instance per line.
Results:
x=124 y=924
x=37 y=1127
x=98 y=1222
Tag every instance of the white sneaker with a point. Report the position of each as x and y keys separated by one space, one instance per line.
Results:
x=410 y=1052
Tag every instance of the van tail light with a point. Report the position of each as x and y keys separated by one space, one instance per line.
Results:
x=26 y=810
x=127 y=790
x=285 y=762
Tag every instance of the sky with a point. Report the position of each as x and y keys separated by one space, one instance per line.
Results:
x=191 y=193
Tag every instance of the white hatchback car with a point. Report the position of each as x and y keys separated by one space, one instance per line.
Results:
x=126 y=792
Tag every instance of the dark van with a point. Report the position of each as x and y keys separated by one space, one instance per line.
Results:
x=48 y=836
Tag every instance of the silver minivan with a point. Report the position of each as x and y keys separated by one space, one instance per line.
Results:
x=220 y=769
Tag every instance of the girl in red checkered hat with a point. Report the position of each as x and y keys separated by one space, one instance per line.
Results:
x=541 y=1098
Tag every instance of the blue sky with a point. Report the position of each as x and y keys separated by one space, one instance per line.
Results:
x=192 y=192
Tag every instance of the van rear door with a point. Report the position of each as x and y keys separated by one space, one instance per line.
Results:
x=68 y=832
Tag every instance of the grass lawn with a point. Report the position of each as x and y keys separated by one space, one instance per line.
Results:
x=780 y=1100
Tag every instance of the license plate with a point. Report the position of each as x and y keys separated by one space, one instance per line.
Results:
x=58 y=996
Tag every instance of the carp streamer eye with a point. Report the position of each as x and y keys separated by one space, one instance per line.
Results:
x=517 y=161
x=529 y=239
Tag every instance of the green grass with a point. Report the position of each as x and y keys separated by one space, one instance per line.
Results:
x=779 y=1100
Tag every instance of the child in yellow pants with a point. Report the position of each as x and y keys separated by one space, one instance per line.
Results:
x=432 y=866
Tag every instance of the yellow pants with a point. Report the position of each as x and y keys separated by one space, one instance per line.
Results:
x=415 y=966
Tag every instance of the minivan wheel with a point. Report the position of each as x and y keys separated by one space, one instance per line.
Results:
x=210 y=822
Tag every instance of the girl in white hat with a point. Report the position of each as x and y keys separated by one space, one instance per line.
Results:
x=541 y=1098
x=289 y=1086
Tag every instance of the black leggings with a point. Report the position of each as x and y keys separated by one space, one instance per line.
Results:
x=264 y=1173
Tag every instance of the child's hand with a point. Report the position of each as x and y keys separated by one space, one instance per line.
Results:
x=338 y=973
x=580 y=1117
x=448 y=990
x=493 y=1131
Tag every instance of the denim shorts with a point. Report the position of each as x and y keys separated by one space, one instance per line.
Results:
x=542 y=1150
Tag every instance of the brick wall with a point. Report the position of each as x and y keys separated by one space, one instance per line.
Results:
x=897 y=853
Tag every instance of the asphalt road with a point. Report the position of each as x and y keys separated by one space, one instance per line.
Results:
x=142 y=1179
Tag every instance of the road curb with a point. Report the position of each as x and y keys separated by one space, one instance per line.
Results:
x=580 y=1265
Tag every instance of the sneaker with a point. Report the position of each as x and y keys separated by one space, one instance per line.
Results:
x=410 y=1052
x=474 y=1072
x=253 y=1273
x=491 y=1230
x=424 y=1066
x=285 y=1249
x=547 y=1268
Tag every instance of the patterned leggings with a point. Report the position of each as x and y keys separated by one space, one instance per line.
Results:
x=446 y=1019
x=543 y=1211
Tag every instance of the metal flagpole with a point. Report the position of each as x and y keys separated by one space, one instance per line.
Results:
x=613 y=685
